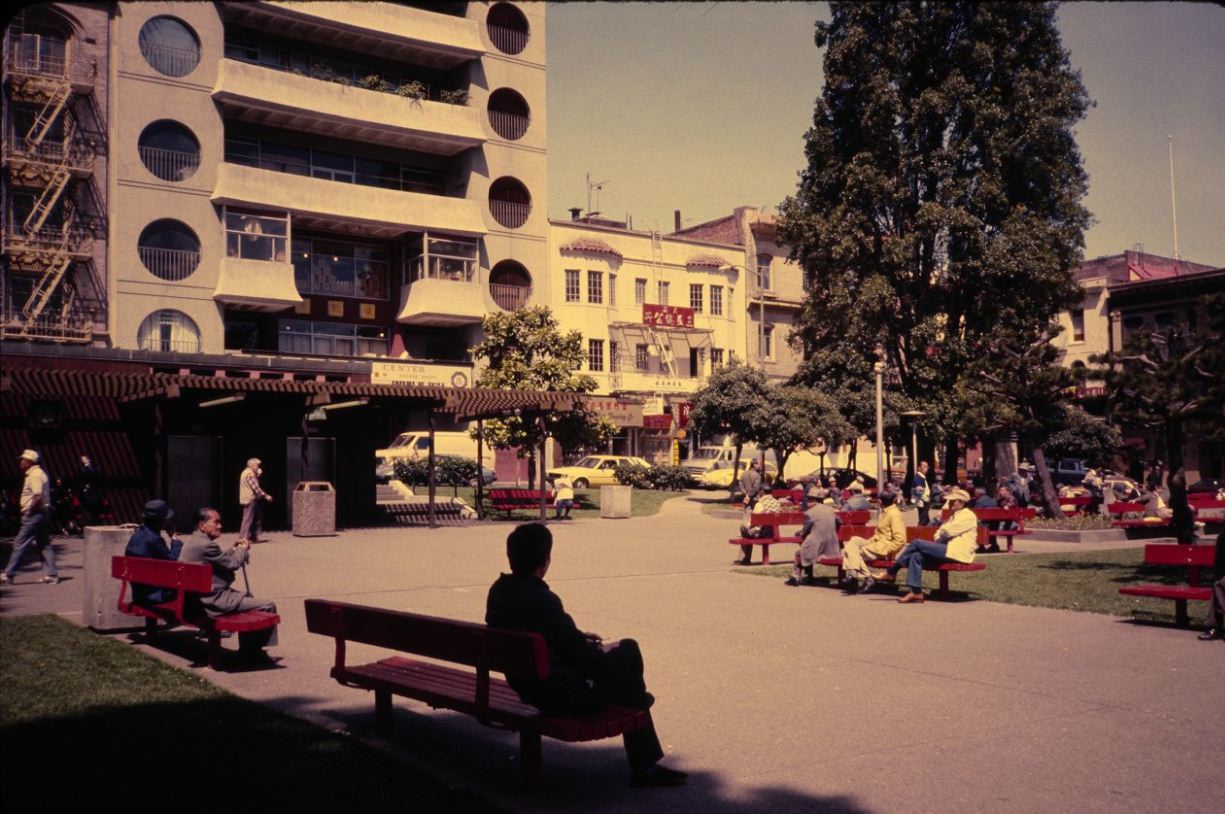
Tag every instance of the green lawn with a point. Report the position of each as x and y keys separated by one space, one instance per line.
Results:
x=1082 y=581
x=644 y=502
x=91 y=724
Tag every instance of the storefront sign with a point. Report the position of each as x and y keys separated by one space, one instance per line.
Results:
x=682 y=413
x=409 y=373
x=667 y=316
x=623 y=414
x=657 y=422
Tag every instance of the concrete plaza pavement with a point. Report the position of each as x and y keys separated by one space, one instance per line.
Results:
x=788 y=699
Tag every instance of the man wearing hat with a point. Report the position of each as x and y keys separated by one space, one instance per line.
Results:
x=955 y=541
x=818 y=536
x=147 y=541
x=251 y=497
x=888 y=540
x=35 y=520
x=857 y=502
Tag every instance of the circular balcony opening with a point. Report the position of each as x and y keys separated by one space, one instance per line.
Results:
x=509 y=114
x=169 y=46
x=510 y=285
x=507 y=27
x=169 y=249
x=169 y=150
x=509 y=202
x=168 y=331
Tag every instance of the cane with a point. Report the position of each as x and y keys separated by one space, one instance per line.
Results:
x=246 y=581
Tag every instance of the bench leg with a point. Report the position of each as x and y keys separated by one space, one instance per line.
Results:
x=150 y=629
x=1010 y=539
x=1180 y=613
x=943 y=591
x=765 y=554
x=529 y=760
x=214 y=648
x=382 y=712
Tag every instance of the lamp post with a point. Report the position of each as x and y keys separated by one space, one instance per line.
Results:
x=879 y=369
x=913 y=417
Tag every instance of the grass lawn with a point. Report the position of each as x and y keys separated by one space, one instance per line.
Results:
x=1082 y=581
x=644 y=502
x=89 y=724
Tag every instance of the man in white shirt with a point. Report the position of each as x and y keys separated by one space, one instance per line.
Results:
x=35 y=520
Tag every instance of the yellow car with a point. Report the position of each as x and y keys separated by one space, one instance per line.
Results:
x=722 y=478
x=595 y=470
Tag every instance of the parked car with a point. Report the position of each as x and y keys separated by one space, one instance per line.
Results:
x=1068 y=470
x=722 y=478
x=595 y=470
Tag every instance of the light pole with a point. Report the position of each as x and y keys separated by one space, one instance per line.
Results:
x=879 y=369
x=913 y=416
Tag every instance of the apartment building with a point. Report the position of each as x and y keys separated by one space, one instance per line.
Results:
x=658 y=313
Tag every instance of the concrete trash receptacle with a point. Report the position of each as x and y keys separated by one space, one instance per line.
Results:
x=100 y=596
x=615 y=501
x=314 y=509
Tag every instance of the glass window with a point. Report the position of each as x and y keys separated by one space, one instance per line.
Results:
x=330 y=338
x=716 y=359
x=695 y=363
x=332 y=166
x=169 y=249
x=763 y=272
x=716 y=300
x=1078 y=325
x=169 y=46
x=640 y=357
x=595 y=354
x=767 y=342
x=663 y=293
x=640 y=291
x=169 y=150
x=445 y=258
x=612 y=289
x=251 y=236
x=572 y=285
x=168 y=331
x=595 y=287
x=695 y=297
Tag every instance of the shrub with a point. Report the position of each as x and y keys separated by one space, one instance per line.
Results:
x=371 y=82
x=628 y=474
x=412 y=90
x=671 y=478
x=454 y=97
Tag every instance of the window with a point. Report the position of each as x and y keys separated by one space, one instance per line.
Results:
x=614 y=356
x=716 y=359
x=427 y=178
x=663 y=293
x=1078 y=325
x=170 y=332
x=169 y=249
x=595 y=287
x=595 y=354
x=169 y=46
x=169 y=150
x=252 y=236
x=444 y=258
x=341 y=268
x=766 y=348
x=695 y=363
x=716 y=300
x=612 y=289
x=640 y=357
x=507 y=28
x=695 y=297
x=330 y=338
x=763 y=272
x=508 y=114
x=640 y=291
x=572 y=285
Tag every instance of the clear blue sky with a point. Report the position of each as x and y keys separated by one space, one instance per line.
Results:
x=703 y=106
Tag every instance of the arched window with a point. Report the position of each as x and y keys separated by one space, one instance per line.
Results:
x=169 y=331
x=169 y=249
x=169 y=46
x=509 y=114
x=169 y=150
x=510 y=203
x=510 y=285
x=507 y=27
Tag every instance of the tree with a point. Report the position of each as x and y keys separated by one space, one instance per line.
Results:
x=525 y=350
x=1084 y=436
x=942 y=196
x=733 y=401
x=798 y=417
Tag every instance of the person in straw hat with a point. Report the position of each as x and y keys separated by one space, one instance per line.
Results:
x=955 y=541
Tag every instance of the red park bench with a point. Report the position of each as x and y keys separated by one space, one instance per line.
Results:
x=188 y=580
x=472 y=692
x=1120 y=509
x=1081 y=504
x=773 y=521
x=509 y=500
x=1194 y=558
x=912 y=533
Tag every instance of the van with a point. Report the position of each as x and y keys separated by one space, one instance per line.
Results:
x=707 y=458
x=416 y=444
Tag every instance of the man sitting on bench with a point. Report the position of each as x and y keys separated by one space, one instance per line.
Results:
x=147 y=541
x=586 y=674
x=889 y=539
x=955 y=542
x=202 y=547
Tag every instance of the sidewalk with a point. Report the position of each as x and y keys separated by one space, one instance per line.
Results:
x=792 y=700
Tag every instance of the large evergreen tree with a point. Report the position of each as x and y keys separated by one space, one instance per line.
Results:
x=942 y=196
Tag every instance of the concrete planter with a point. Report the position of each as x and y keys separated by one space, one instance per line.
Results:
x=616 y=501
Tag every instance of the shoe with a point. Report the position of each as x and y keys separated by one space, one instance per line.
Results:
x=994 y=548
x=885 y=576
x=658 y=777
x=740 y=562
x=4 y=579
x=1211 y=633
x=914 y=598
x=850 y=585
x=982 y=549
x=868 y=584
x=792 y=581
x=50 y=580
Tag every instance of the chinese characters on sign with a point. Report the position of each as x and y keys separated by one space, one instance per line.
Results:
x=657 y=422
x=666 y=316
x=399 y=373
x=623 y=414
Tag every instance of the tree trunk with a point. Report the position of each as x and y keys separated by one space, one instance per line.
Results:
x=782 y=455
x=950 y=460
x=531 y=468
x=853 y=458
x=988 y=470
x=1050 y=498
x=1183 y=519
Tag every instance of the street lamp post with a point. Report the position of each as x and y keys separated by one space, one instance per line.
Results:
x=913 y=416
x=879 y=369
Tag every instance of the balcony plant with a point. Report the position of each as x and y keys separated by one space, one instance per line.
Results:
x=412 y=90
x=454 y=97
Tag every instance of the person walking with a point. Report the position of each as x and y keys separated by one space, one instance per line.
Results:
x=251 y=497
x=921 y=494
x=35 y=527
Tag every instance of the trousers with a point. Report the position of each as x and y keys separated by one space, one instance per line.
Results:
x=35 y=530
x=252 y=520
x=914 y=556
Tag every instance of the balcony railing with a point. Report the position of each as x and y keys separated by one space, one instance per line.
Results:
x=74 y=156
x=169 y=165
x=170 y=345
x=507 y=40
x=24 y=63
x=510 y=214
x=171 y=265
x=510 y=126
x=509 y=297
x=14 y=324
x=170 y=60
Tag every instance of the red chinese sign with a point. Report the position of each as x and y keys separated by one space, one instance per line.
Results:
x=657 y=422
x=667 y=316
x=682 y=413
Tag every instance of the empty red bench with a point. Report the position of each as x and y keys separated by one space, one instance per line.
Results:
x=508 y=500
x=1193 y=558
x=472 y=692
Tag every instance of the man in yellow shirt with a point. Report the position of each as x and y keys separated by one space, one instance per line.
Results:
x=955 y=541
x=889 y=539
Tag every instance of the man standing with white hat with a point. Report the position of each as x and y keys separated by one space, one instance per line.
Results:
x=251 y=497
x=35 y=520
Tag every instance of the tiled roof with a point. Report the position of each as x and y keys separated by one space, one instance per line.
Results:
x=707 y=260
x=590 y=245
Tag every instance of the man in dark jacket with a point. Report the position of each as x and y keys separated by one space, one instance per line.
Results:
x=585 y=674
x=147 y=541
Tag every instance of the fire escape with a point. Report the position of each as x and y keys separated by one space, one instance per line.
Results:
x=52 y=210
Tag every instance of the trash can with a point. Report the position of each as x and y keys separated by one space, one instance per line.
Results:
x=615 y=501
x=100 y=594
x=314 y=509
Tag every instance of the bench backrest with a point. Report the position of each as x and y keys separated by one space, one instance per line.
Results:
x=1119 y=507
x=192 y=577
x=1192 y=557
x=480 y=646
x=517 y=494
x=794 y=495
x=929 y=533
x=846 y=532
x=1204 y=500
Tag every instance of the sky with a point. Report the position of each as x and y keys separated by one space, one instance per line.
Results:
x=702 y=107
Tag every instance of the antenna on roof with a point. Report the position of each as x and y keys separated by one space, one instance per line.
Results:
x=1173 y=198
x=595 y=186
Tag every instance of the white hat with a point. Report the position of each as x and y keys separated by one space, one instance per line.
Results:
x=29 y=455
x=253 y=463
x=856 y=485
